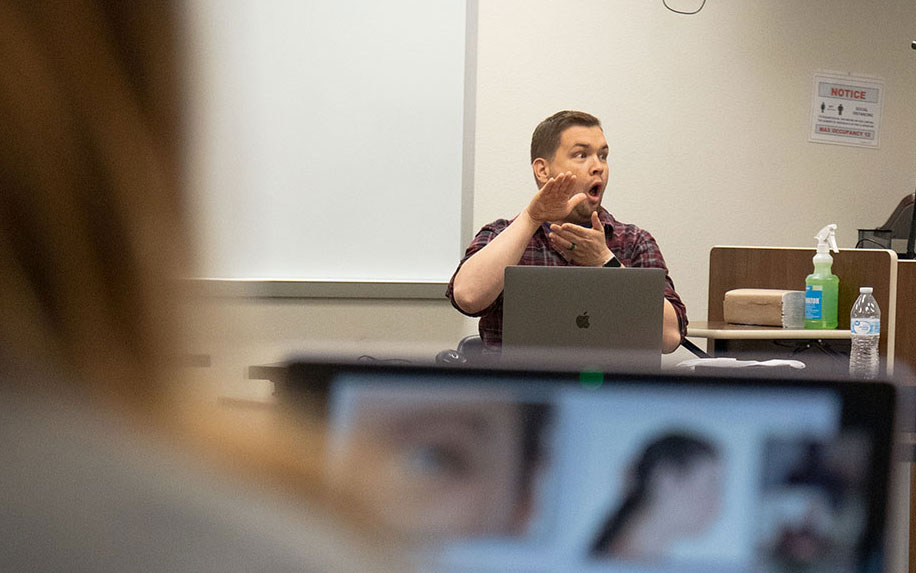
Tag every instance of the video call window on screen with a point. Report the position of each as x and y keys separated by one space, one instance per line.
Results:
x=631 y=477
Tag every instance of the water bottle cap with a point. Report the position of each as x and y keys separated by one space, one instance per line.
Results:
x=865 y=290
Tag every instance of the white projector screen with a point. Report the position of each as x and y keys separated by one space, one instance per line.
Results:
x=327 y=138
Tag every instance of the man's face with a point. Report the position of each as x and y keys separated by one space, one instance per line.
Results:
x=582 y=151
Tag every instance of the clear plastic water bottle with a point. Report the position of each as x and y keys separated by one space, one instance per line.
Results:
x=865 y=324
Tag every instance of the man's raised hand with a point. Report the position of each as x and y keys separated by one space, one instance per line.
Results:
x=555 y=201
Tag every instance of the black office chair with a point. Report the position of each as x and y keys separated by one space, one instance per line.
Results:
x=900 y=225
x=901 y=220
x=470 y=349
x=471 y=346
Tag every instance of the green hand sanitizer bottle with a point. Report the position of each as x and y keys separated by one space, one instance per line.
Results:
x=822 y=286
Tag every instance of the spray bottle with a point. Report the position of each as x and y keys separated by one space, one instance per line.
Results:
x=822 y=286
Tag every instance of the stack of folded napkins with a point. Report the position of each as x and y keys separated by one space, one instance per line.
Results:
x=765 y=307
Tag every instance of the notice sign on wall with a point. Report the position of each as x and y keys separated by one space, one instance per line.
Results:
x=847 y=110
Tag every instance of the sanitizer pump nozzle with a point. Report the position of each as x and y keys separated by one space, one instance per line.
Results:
x=822 y=286
x=827 y=237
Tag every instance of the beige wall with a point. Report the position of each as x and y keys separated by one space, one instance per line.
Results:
x=708 y=119
x=707 y=116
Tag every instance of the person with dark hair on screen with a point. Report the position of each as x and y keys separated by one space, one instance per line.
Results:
x=672 y=492
x=564 y=224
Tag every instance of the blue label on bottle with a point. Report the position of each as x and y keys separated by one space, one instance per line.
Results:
x=813 y=298
x=867 y=326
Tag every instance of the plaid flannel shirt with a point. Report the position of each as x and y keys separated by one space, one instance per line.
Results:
x=632 y=246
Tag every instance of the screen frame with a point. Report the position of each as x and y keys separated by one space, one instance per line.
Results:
x=306 y=389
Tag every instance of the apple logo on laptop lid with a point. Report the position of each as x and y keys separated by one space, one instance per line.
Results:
x=582 y=320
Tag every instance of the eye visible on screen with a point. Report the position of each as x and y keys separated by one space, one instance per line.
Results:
x=437 y=460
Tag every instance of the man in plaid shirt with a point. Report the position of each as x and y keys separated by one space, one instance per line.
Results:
x=564 y=224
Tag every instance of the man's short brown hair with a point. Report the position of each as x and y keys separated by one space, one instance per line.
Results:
x=546 y=137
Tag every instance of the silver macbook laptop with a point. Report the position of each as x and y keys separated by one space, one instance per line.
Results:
x=585 y=310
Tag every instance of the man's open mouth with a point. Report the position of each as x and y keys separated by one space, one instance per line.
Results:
x=594 y=190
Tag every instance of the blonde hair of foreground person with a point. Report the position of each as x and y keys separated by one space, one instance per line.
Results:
x=91 y=243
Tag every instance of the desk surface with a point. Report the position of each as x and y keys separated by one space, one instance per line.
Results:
x=720 y=329
x=786 y=268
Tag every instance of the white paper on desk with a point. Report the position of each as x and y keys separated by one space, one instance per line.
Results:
x=735 y=363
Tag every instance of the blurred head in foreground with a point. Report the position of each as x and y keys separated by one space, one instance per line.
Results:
x=109 y=455
x=91 y=232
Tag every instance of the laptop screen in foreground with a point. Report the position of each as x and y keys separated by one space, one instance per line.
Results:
x=556 y=472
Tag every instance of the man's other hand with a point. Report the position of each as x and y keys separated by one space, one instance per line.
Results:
x=555 y=200
x=584 y=247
